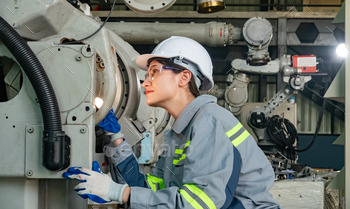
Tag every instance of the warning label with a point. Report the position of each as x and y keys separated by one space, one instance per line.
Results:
x=306 y=61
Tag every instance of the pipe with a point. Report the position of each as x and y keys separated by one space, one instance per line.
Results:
x=236 y=5
x=54 y=138
x=214 y=34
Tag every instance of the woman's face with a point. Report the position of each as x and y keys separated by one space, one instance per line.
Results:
x=162 y=88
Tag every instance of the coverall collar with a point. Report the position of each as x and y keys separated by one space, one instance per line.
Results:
x=190 y=110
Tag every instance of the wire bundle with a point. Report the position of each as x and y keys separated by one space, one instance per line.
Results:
x=282 y=132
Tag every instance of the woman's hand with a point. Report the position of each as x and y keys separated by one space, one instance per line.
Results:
x=96 y=185
x=111 y=126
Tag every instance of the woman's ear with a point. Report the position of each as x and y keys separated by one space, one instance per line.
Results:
x=185 y=77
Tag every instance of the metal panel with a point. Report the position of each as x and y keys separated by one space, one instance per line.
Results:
x=271 y=91
x=339 y=126
x=25 y=191
x=324 y=27
x=79 y=135
x=340 y=140
x=299 y=194
x=253 y=88
x=323 y=39
x=336 y=90
x=308 y=112
x=339 y=181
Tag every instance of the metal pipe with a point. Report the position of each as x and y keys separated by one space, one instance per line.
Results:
x=214 y=34
x=233 y=5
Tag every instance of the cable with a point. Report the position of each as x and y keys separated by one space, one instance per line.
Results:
x=284 y=134
x=98 y=30
x=319 y=121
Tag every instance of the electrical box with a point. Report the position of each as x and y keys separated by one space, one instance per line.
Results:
x=307 y=63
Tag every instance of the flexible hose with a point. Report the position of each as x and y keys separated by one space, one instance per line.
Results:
x=54 y=137
x=36 y=74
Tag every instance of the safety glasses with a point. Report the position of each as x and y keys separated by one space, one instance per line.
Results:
x=155 y=70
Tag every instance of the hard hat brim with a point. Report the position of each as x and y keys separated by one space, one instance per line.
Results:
x=142 y=60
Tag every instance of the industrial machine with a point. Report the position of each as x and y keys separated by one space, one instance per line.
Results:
x=62 y=72
x=276 y=135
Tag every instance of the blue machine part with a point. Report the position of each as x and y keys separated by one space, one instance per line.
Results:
x=146 y=147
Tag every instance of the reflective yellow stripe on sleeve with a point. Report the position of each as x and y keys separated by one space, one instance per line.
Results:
x=152 y=181
x=241 y=138
x=201 y=195
x=196 y=197
x=190 y=199
x=237 y=134
x=234 y=130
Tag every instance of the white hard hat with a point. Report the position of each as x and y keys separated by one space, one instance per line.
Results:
x=187 y=53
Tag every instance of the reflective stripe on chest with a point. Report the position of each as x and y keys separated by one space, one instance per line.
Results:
x=237 y=135
x=181 y=153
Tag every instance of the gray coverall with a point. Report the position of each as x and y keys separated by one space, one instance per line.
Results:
x=211 y=161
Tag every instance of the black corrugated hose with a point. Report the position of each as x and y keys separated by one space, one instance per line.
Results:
x=54 y=137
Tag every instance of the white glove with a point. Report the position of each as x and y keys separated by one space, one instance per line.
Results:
x=95 y=185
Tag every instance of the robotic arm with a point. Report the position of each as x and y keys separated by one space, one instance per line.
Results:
x=276 y=136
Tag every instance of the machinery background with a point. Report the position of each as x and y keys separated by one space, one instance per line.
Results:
x=293 y=33
x=101 y=67
x=252 y=62
x=287 y=39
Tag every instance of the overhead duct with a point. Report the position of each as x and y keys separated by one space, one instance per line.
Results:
x=214 y=34
x=210 y=6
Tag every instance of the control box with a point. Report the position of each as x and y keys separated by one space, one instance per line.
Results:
x=307 y=63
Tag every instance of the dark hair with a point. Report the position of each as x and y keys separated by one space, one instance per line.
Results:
x=168 y=62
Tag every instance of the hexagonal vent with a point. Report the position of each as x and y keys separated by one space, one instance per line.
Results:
x=307 y=32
